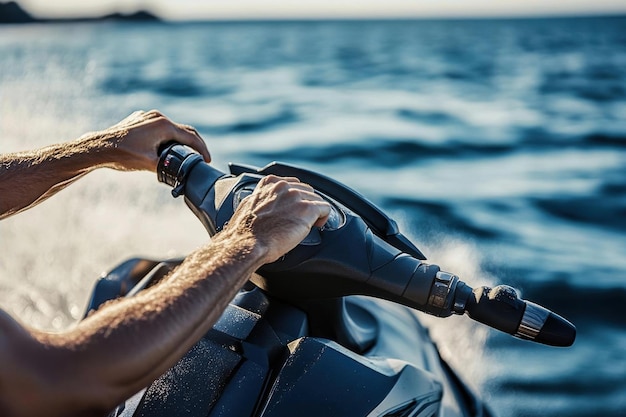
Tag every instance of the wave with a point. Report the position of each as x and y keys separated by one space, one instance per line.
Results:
x=440 y=216
x=400 y=151
x=386 y=152
x=579 y=393
x=605 y=140
x=170 y=86
x=559 y=384
x=606 y=209
x=605 y=86
x=541 y=138
x=432 y=117
x=397 y=152
x=581 y=304
x=253 y=125
x=613 y=189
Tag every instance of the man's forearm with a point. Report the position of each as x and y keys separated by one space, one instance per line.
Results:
x=27 y=178
x=126 y=345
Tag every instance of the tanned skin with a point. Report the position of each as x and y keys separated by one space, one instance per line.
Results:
x=126 y=344
x=27 y=178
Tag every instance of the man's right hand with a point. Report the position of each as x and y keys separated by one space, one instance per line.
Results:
x=279 y=214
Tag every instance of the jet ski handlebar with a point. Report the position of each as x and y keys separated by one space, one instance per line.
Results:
x=358 y=251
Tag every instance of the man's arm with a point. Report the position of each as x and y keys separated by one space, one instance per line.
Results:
x=27 y=178
x=126 y=344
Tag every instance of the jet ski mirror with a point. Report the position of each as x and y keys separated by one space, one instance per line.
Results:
x=359 y=251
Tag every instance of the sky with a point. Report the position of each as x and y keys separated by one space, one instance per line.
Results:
x=284 y=9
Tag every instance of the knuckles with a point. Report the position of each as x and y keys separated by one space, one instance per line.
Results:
x=154 y=113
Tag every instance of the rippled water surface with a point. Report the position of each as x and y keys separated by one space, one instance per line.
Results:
x=499 y=146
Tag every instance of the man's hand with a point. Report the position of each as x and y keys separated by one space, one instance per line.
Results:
x=137 y=138
x=126 y=344
x=132 y=144
x=279 y=214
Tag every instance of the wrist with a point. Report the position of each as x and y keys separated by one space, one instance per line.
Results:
x=245 y=245
x=94 y=149
x=107 y=149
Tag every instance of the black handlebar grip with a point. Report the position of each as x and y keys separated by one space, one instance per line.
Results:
x=501 y=308
x=175 y=163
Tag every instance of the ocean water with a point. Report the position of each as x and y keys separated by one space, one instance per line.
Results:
x=499 y=146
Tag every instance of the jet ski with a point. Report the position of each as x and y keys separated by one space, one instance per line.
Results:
x=330 y=329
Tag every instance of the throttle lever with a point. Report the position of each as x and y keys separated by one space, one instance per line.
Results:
x=174 y=164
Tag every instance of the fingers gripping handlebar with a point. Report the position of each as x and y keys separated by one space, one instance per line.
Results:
x=359 y=251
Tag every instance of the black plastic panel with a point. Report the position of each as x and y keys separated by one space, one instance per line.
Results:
x=322 y=379
x=193 y=385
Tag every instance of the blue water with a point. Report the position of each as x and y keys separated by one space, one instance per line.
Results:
x=499 y=146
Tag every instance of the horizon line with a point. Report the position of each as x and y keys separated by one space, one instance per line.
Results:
x=243 y=19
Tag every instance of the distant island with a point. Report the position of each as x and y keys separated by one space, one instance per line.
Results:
x=12 y=12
